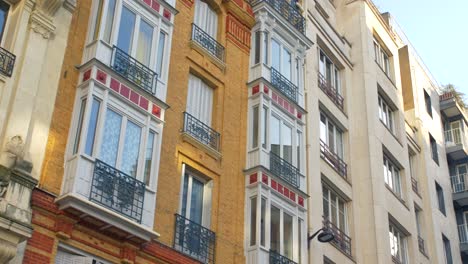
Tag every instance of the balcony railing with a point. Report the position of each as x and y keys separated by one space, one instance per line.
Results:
x=117 y=191
x=414 y=185
x=284 y=85
x=333 y=159
x=207 y=42
x=330 y=91
x=194 y=240
x=201 y=132
x=277 y=258
x=7 y=62
x=342 y=241
x=133 y=70
x=463 y=233
x=288 y=10
x=455 y=137
x=284 y=170
x=459 y=183
x=421 y=245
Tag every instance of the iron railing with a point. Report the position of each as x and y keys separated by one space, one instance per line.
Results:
x=414 y=185
x=284 y=170
x=421 y=245
x=284 y=85
x=330 y=91
x=333 y=159
x=342 y=241
x=7 y=62
x=455 y=136
x=207 y=42
x=117 y=191
x=459 y=183
x=201 y=132
x=194 y=240
x=288 y=10
x=277 y=258
x=463 y=233
x=133 y=70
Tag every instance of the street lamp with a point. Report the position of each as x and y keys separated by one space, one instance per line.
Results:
x=324 y=236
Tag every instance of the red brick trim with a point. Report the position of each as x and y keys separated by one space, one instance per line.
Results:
x=31 y=257
x=238 y=32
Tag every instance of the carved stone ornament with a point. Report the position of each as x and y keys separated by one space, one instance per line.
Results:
x=15 y=146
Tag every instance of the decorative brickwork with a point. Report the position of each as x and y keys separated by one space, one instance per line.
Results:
x=238 y=32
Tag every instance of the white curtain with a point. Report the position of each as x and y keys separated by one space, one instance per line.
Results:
x=206 y=18
x=145 y=38
x=199 y=100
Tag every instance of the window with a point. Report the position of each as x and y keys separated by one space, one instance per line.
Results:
x=255 y=127
x=427 y=100
x=161 y=49
x=397 y=244
x=440 y=198
x=281 y=139
x=330 y=72
x=199 y=100
x=447 y=250
x=4 y=8
x=253 y=222
x=382 y=57
x=331 y=135
x=195 y=197
x=206 y=18
x=149 y=156
x=265 y=127
x=80 y=124
x=67 y=257
x=386 y=114
x=392 y=176
x=418 y=216
x=334 y=208
x=90 y=137
x=257 y=47
x=282 y=226
x=435 y=155
x=281 y=59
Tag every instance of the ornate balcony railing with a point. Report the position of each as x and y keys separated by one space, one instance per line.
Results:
x=333 y=159
x=277 y=258
x=207 y=42
x=117 y=191
x=459 y=183
x=200 y=131
x=194 y=240
x=7 y=62
x=133 y=70
x=463 y=233
x=284 y=85
x=288 y=10
x=330 y=91
x=284 y=170
x=342 y=241
x=414 y=185
x=421 y=245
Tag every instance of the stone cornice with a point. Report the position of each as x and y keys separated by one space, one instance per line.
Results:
x=42 y=24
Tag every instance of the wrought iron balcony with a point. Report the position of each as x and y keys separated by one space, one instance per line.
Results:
x=288 y=10
x=333 y=159
x=207 y=42
x=284 y=85
x=201 y=132
x=133 y=70
x=414 y=185
x=277 y=258
x=194 y=240
x=330 y=91
x=284 y=170
x=342 y=241
x=117 y=191
x=7 y=62
x=421 y=245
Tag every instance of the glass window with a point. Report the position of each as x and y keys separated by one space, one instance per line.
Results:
x=447 y=250
x=265 y=127
x=255 y=127
x=382 y=57
x=427 y=100
x=275 y=135
x=265 y=47
x=392 y=176
x=298 y=147
x=126 y=29
x=434 y=152
x=92 y=127
x=4 y=8
x=111 y=137
x=386 y=114
x=257 y=47
x=288 y=235
x=97 y=23
x=334 y=208
x=161 y=49
x=80 y=125
x=440 y=198
x=275 y=54
x=300 y=222
x=149 y=156
x=286 y=64
x=206 y=18
x=331 y=135
x=287 y=143
x=131 y=149
x=397 y=244
x=192 y=199
x=330 y=72
x=275 y=241
x=109 y=20
x=145 y=38
x=262 y=221
x=253 y=220
x=199 y=100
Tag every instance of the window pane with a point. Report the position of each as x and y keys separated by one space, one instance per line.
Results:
x=334 y=209
x=299 y=145
x=257 y=47
x=97 y=22
x=184 y=195
x=253 y=220
x=275 y=55
x=275 y=229
x=265 y=47
x=110 y=139
x=255 y=127
x=339 y=144
x=109 y=20
x=287 y=143
x=93 y=118
x=161 y=47
x=286 y=65
x=80 y=125
x=149 y=156
x=288 y=235
x=131 y=149
x=196 y=201
x=331 y=137
x=127 y=25
x=323 y=128
x=262 y=222
x=145 y=37
x=299 y=237
x=275 y=135
x=265 y=126
x=4 y=7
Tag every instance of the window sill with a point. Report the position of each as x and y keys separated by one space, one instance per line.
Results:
x=219 y=63
x=211 y=152
x=397 y=196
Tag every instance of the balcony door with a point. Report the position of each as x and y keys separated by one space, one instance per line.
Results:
x=281 y=139
x=199 y=100
x=206 y=18
x=192 y=198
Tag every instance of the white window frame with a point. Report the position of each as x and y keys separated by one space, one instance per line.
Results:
x=287 y=122
x=382 y=58
x=205 y=9
x=282 y=47
x=338 y=198
x=389 y=165
x=386 y=114
x=401 y=243
x=337 y=132
x=335 y=71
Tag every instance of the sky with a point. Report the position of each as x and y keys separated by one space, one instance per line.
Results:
x=438 y=31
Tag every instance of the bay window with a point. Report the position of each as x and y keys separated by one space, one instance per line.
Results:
x=281 y=139
x=281 y=58
x=392 y=176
